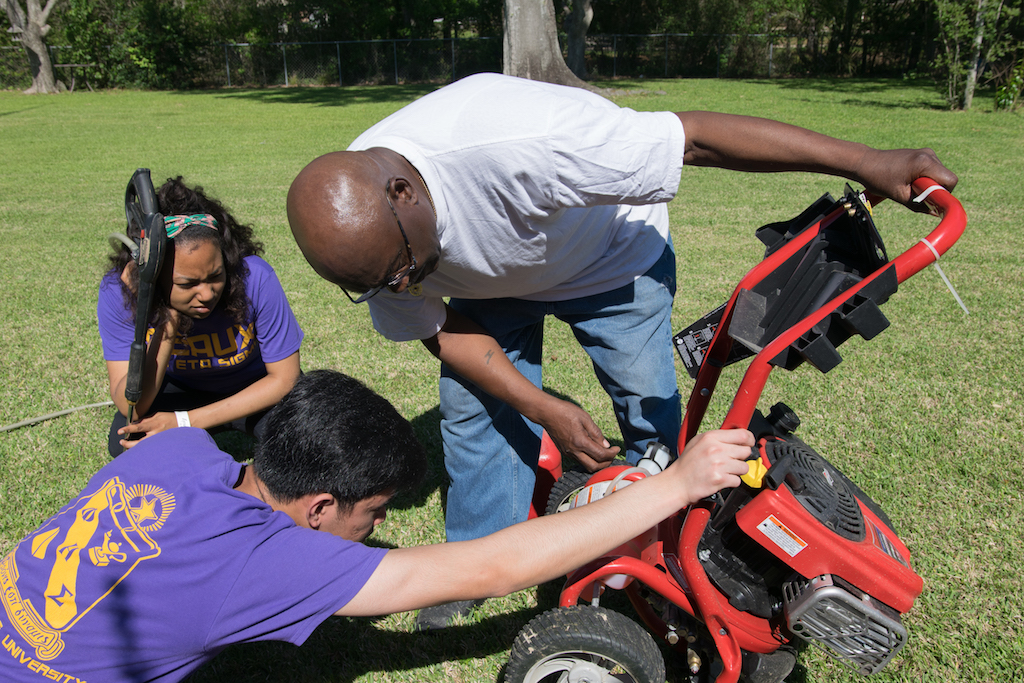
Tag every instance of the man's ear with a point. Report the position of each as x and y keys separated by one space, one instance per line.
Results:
x=402 y=189
x=318 y=507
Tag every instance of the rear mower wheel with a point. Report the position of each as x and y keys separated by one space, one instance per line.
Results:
x=563 y=490
x=584 y=644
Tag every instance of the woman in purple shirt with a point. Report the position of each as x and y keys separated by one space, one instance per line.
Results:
x=223 y=344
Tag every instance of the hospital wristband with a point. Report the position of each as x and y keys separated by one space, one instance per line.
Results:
x=182 y=416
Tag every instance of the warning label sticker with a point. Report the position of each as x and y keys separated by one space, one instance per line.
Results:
x=782 y=536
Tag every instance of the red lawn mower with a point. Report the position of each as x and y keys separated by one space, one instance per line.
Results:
x=797 y=553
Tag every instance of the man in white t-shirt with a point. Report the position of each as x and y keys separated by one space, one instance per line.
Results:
x=519 y=199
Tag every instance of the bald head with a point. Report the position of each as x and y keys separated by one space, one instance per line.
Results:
x=339 y=217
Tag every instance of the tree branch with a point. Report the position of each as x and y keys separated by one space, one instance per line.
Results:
x=46 y=10
x=15 y=14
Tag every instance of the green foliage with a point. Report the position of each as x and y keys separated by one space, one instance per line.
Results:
x=89 y=28
x=962 y=24
x=13 y=61
x=162 y=44
x=328 y=20
x=1008 y=94
x=840 y=37
x=142 y=43
x=892 y=30
x=955 y=34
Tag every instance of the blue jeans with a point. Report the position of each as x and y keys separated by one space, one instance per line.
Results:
x=491 y=451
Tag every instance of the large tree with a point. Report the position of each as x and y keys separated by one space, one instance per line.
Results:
x=530 y=48
x=29 y=24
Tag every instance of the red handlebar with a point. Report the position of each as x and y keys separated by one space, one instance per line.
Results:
x=950 y=228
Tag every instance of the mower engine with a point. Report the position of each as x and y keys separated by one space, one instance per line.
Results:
x=801 y=545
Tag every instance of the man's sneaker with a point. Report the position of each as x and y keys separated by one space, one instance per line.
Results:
x=440 y=616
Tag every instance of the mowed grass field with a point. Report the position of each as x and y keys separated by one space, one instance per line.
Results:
x=927 y=417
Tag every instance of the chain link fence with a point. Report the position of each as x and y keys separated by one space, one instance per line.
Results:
x=364 y=62
x=372 y=62
x=687 y=55
x=14 y=67
x=378 y=62
x=356 y=62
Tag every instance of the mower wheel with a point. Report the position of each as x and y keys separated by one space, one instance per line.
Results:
x=584 y=644
x=567 y=485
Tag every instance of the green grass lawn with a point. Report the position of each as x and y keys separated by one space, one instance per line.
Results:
x=927 y=417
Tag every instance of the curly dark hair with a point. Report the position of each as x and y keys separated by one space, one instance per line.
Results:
x=235 y=241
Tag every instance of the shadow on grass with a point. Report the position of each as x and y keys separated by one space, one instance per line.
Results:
x=238 y=445
x=867 y=93
x=17 y=111
x=326 y=96
x=861 y=90
x=427 y=427
x=344 y=649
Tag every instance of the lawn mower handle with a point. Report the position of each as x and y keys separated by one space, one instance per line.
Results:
x=951 y=226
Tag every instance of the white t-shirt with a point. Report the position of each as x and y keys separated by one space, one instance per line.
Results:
x=542 y=192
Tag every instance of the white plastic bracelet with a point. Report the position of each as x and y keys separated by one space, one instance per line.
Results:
x=182 y=416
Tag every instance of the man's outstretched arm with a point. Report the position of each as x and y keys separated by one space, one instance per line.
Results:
x=542 y=549
x=747 y=143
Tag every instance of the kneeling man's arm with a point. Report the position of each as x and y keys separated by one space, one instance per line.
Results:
x=542 y=549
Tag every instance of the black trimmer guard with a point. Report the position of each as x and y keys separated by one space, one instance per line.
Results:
x=847 y=249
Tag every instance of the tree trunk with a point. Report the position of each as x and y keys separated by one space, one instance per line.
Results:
x=975 y=63
x=846 y=48
x=530 y=46
x=32 y=30
x=576 y=27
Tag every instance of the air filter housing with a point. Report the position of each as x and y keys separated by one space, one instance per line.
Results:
x=818 y=486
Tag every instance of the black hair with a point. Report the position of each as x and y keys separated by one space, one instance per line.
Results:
x=332 y=434
x=236 y=241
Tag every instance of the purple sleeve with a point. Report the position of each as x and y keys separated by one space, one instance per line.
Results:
x=116 y=323
x=291 y=584
x=277 y=329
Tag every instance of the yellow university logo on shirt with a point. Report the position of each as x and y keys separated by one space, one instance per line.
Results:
x=212 y=350
x=84 y=552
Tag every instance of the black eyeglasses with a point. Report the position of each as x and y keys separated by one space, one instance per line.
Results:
x=397 y=277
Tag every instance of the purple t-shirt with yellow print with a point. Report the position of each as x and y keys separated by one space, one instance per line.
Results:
x=217 y=354
x=158 y=565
